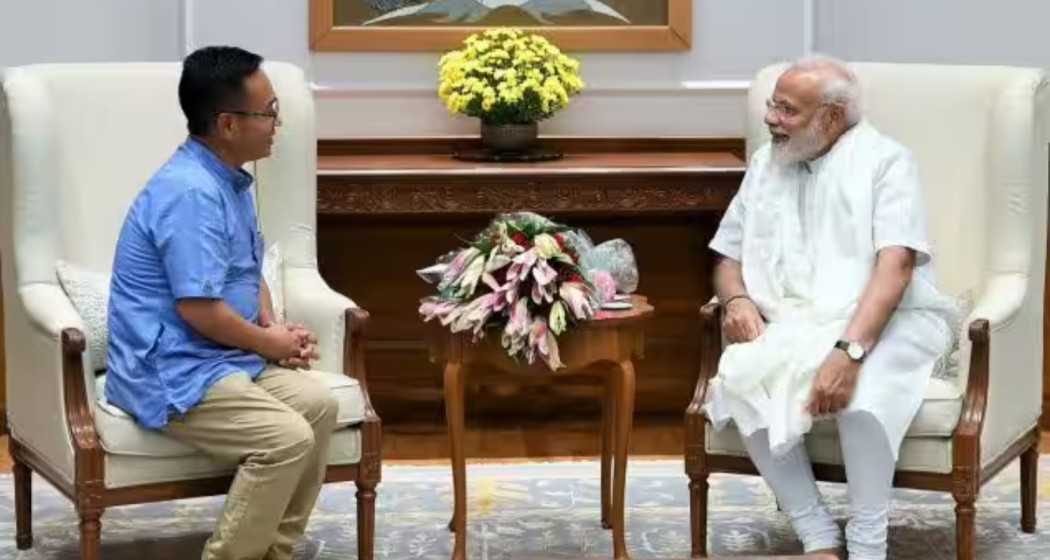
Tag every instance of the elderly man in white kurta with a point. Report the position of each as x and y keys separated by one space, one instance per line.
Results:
x=830 y=304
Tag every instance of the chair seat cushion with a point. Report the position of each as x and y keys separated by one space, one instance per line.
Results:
x=132 y=470
x=926 y=446
x=937 y=416
x=121 y=435
x=922 y=454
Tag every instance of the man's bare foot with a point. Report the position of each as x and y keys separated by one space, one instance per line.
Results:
x=825 y=554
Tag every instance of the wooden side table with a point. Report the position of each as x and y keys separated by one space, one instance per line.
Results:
x=605 y=346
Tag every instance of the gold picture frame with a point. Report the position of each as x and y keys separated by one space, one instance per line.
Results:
x=326 y=34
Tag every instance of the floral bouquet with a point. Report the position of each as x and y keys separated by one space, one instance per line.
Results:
x=506 y=76
x=521 y=275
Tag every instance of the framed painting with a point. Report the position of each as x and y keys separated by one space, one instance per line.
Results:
x=439 y=25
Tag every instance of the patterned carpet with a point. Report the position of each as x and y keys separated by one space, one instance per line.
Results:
x=538 y=510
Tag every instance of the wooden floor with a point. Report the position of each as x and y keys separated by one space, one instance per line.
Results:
x=651 y=437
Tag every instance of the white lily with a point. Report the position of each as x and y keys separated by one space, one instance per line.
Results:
x=546 y=246
x=575 y=296
x=553 y=354
x=469 y=281
x=557 y=318
x=457 y=267
x=496 y=261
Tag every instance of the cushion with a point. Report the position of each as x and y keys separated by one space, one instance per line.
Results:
x=924 y=454
x=937 y=416
x=942 y=401
x=89 y=293
x=131 y=470
x=926 y=446
x=121 y=435
x=949 y=366
x=272 y=272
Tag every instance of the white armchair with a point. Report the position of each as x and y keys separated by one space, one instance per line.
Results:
x=77 y=142
x=980 y=137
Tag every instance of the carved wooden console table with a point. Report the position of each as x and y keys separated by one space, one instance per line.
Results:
x=389 y=207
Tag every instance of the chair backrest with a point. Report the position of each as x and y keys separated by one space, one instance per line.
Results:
x=84 y=139
x=975 y=132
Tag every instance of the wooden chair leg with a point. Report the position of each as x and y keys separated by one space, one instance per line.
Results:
x=23 y=505
x=965 y=520
x=1029 y=487
x=91 y=534
x=698 y=514
x=366 y=519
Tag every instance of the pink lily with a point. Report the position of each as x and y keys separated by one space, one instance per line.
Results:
x=457 y=267
x=434 y=307
x=526 y=260
x=474 y=314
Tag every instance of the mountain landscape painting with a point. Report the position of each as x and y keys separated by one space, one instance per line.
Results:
x=487 y=13
x=440 y=25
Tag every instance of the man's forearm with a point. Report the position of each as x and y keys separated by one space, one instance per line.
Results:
x=892 y=274
x=216 y=321
x=729 y=279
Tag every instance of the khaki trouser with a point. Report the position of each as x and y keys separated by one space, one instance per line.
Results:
x=278 y=428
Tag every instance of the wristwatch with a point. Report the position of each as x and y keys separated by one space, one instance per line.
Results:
x=852 y=349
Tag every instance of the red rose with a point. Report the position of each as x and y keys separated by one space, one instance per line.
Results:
x=520 y=239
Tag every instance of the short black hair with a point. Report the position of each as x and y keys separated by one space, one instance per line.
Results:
x=213 y=80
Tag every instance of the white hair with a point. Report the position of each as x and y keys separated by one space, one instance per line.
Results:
x=839 y=83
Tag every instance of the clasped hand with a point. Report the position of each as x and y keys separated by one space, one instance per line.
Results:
x=290 y=345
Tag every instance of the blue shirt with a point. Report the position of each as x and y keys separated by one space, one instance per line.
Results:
x=190 y=233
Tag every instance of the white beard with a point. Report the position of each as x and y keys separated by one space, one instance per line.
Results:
x=802 y=146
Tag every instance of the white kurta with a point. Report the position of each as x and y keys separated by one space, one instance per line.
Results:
x=806 y=236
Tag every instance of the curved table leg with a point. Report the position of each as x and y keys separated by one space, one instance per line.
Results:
x=608 y=417
x=454 y=389
x=624 y=416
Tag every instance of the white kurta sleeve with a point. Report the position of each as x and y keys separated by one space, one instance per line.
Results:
x=729 y=238
x=899 y=212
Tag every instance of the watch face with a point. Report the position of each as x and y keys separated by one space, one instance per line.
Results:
x=855 y=351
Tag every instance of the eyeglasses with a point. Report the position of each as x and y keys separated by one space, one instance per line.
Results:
x=274 y=113
x=788 y=111
x=781 y=108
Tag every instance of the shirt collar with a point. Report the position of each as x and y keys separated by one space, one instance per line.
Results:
x=814 y=165
x=237 y=178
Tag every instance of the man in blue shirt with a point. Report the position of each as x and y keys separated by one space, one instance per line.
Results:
x=191 y=322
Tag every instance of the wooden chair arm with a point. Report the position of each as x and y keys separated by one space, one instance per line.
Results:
x=710 y=352
x=87 y=448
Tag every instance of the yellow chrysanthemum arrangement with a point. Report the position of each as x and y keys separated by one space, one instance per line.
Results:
x=507 y=76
